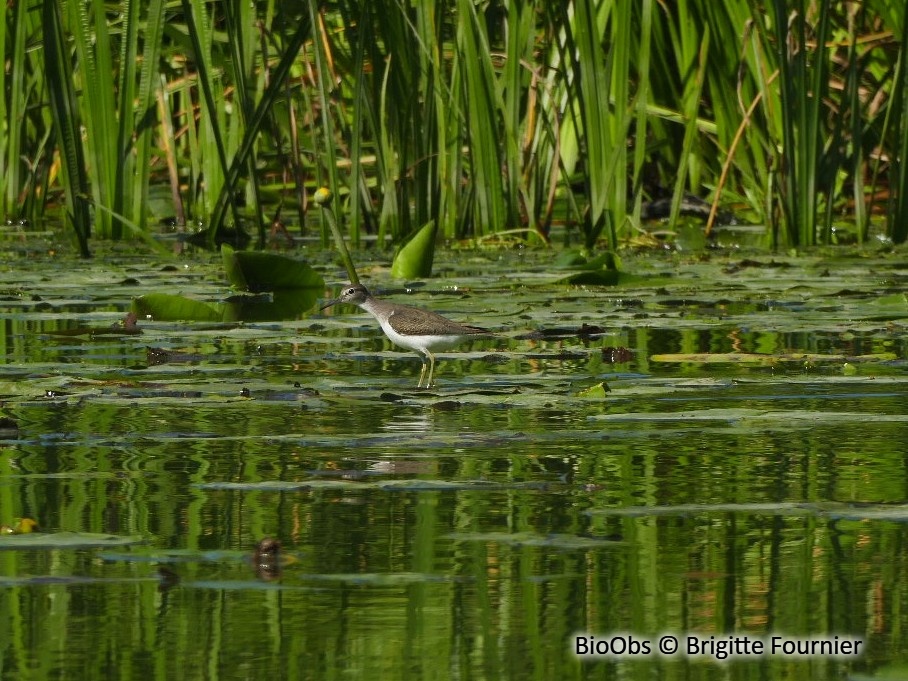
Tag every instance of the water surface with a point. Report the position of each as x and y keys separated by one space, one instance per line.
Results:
x=723 y=455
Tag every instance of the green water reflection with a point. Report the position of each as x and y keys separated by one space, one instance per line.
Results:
x=469 y=532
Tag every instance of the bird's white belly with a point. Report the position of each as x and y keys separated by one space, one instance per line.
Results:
x=419 y=343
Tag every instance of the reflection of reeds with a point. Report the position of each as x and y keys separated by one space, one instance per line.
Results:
x=475 y=117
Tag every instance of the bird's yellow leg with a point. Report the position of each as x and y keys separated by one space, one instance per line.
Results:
x=431 y=369
x=421 y=374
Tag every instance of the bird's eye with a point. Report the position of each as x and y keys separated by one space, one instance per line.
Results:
x=351 y=291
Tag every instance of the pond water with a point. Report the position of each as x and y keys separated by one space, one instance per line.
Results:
x=715 y=447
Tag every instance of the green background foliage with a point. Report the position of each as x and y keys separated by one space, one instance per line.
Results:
x=479 y=118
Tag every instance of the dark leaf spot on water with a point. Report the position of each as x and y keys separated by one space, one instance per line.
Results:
x=617 y=355
x=446 y=405
x=168 y=578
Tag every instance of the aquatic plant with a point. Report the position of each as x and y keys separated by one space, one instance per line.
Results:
x=479 y=119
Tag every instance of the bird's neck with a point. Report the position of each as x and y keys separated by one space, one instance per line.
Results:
x=377 y=308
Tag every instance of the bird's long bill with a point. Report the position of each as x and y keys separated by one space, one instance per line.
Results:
x=330 y=303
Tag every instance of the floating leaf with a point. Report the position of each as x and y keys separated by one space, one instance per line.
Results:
x=893 y=513
x=604 y=261
x=603 y=277
x=65 y=540
x=780 y=508
x=892 y=300
x=780 y=418
x=752 y=358
x=257 y=271
x=597 y=391
x=379 y=578
x=283 y=304
x=390 y=485
x=167 y=307
x=574 y=268
x=127 y=327
x=848 y=511
x=553 y=541
x=464 y=485
x=263 y=486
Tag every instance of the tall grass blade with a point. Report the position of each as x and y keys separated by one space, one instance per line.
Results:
x=199 y=28
x=25 y=156
x=898 y=115
x=643 y=100
x=490 y=212
x=124 y=161
x=143 y=119
x=170 y=157
x=589 y=85
x=67 y=123
x=693 y=98
x=519 y=46
x=803 y=82
x=326 y=163
x=95 y=76
x=257 y=121
x=239 y=19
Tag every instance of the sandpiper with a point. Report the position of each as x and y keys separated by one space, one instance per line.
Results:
x=410 y=327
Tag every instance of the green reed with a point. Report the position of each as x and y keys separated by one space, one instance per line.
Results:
x=897 y=128
x=477 y=118
x=66 y=118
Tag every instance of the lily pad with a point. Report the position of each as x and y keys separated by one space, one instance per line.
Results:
x=890 y=512
x=897 y=300
x=282 y=304
x=753 y=358
x=65 y=540
x=553 y=541
x=257 y=271
x=389 y=485
x=602 y=270
x=263 y=486
x=597 y=391
x=380 y=578
x=447 y=485
x=782 y=418
x=167 y=307
x=67 y=580
x=696 y=509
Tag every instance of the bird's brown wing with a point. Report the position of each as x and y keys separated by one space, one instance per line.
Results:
x=415 y=321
